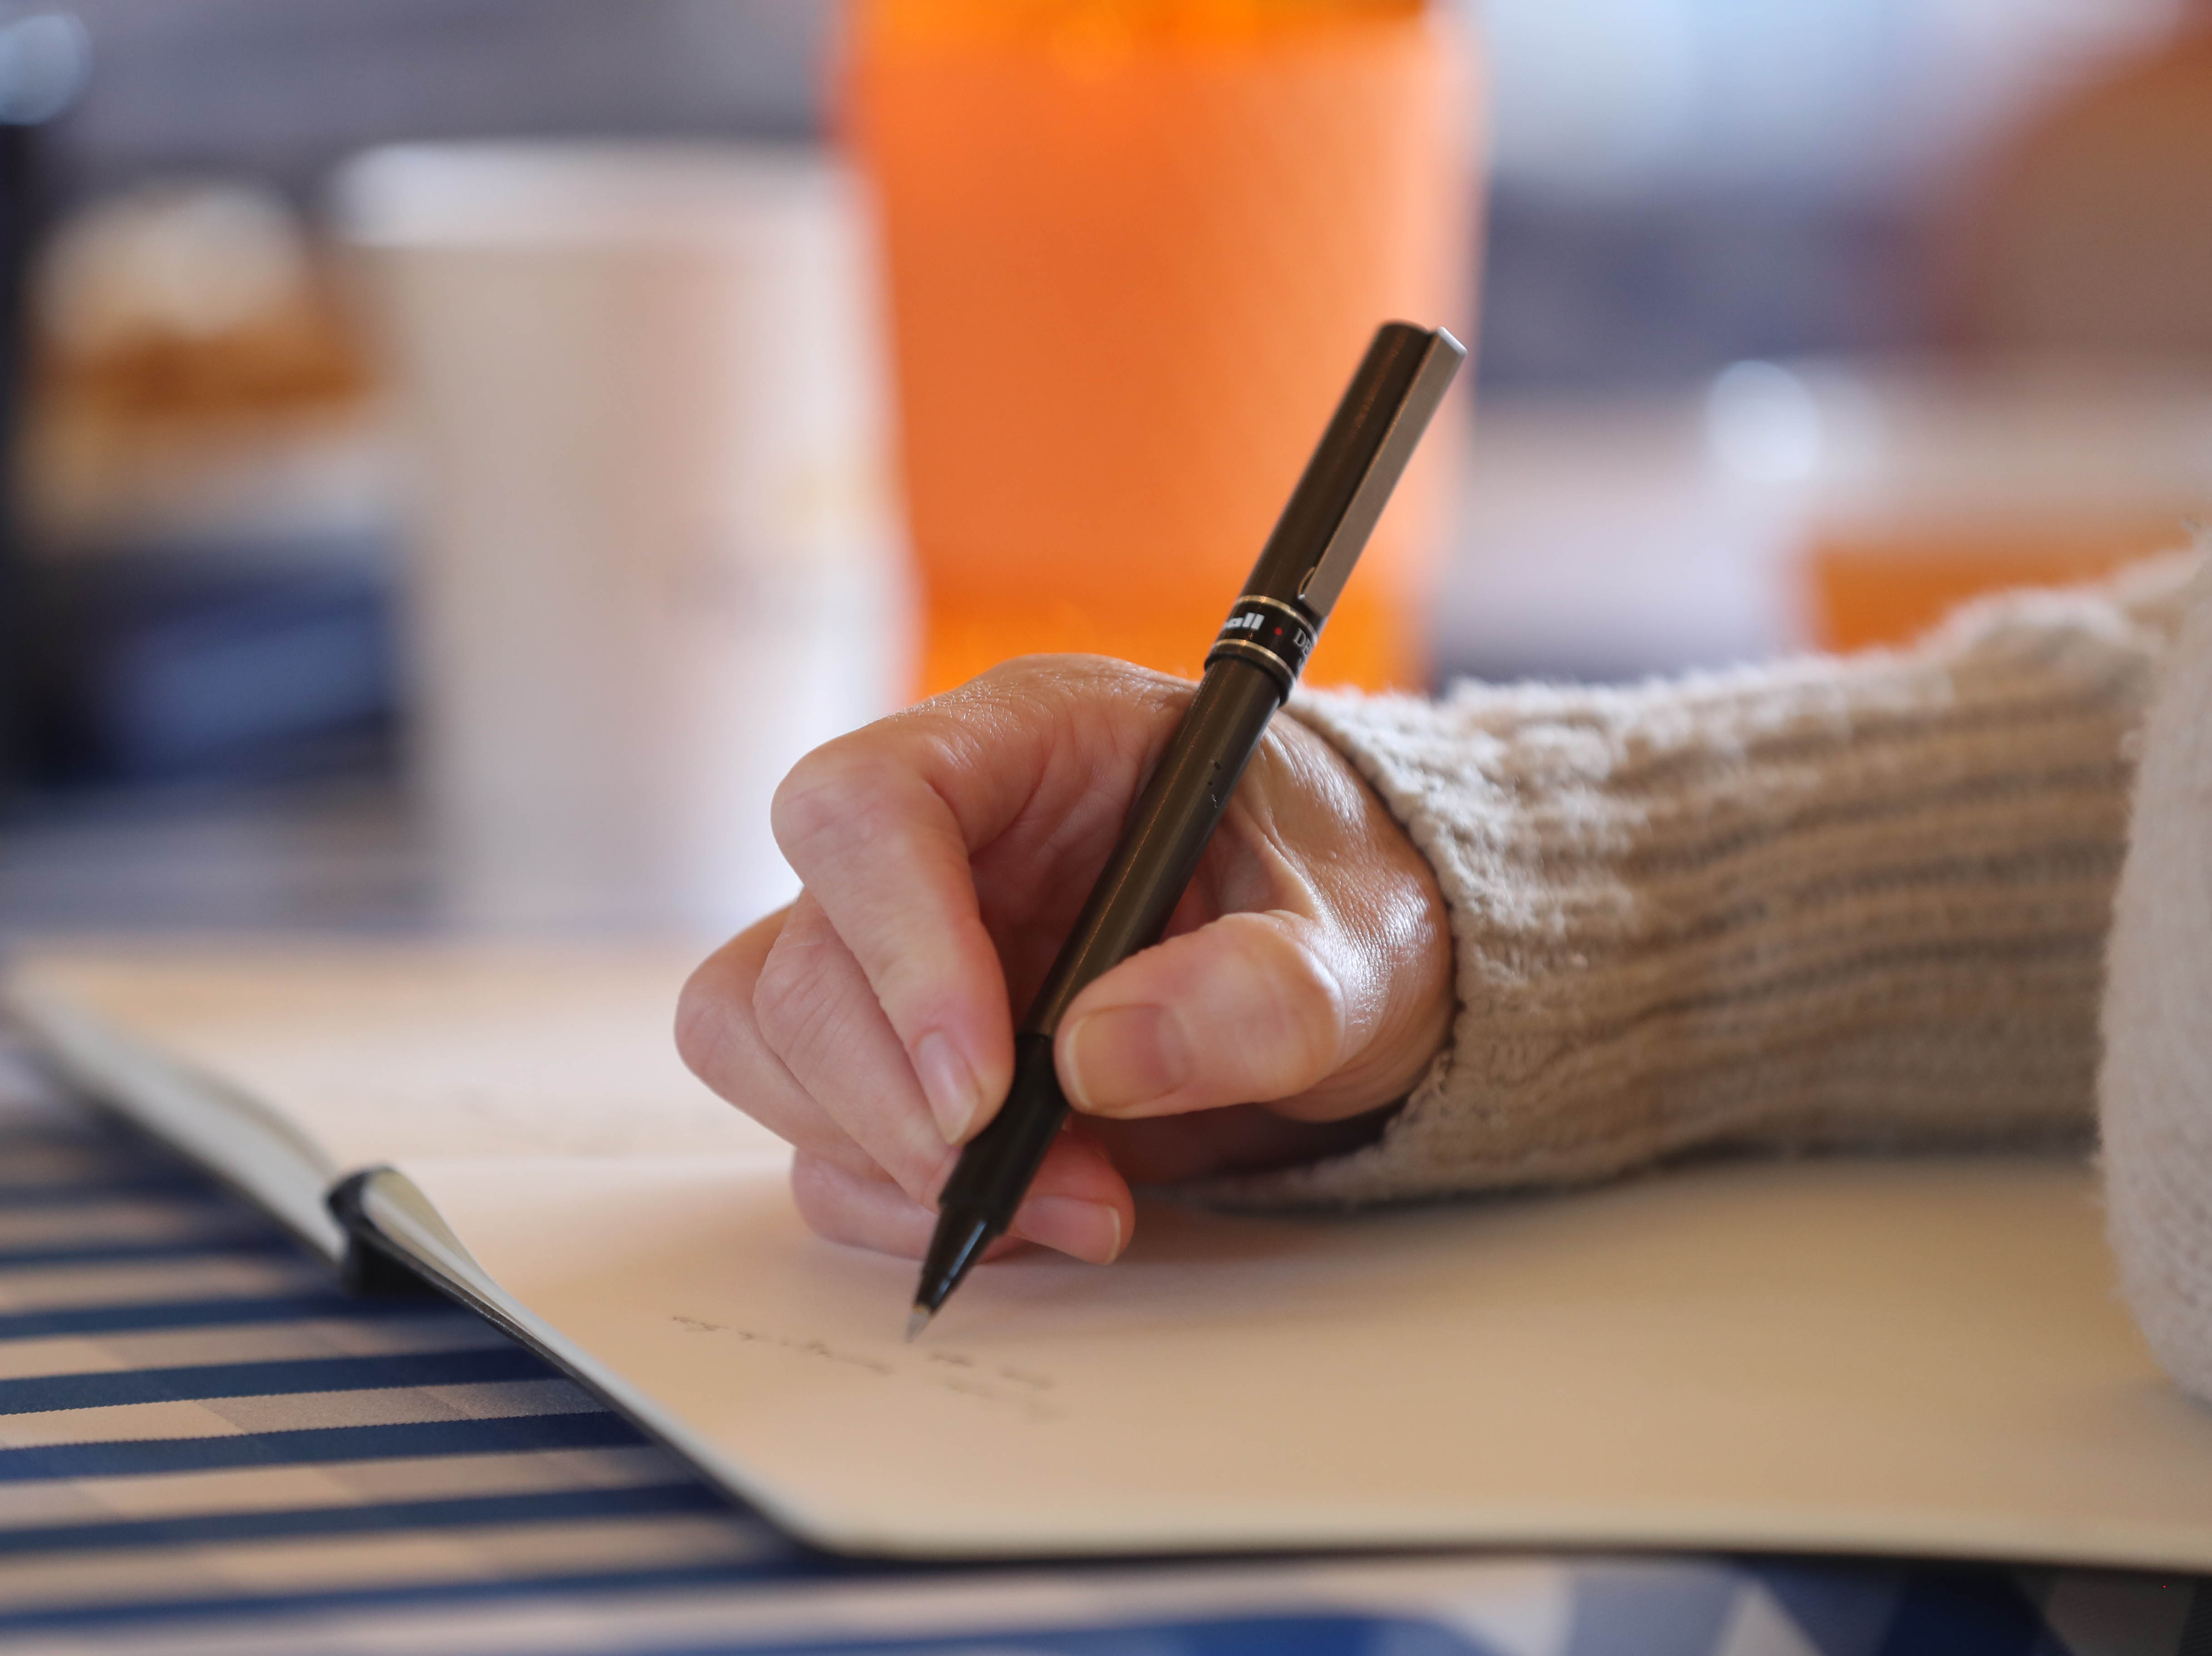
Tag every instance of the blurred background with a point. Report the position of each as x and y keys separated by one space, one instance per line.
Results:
x=461 y=450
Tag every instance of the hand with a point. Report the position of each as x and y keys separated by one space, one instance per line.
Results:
x=1305 y=984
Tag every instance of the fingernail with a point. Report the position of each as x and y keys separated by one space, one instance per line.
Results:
x=948 y=1083
x=1088 y=1230
x=1122 y=1057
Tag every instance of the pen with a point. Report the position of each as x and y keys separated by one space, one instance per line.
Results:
x=1249 y=672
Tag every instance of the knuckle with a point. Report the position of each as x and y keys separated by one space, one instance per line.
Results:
x=839 y=807
x=816 y=798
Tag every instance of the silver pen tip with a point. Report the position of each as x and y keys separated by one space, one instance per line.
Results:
x=917 y=1319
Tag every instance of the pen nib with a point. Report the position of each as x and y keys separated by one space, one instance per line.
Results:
x=917 y=1319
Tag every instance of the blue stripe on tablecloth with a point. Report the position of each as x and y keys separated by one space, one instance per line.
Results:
x=1964 y=1610
x=318 y=1446
x=230 y=1310
x=257 y=1240
x=377 y=1518
x=274 y=1377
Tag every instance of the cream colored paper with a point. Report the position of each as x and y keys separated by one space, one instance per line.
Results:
x=1922 y=1356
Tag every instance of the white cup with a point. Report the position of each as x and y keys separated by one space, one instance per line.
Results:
x=654 y=560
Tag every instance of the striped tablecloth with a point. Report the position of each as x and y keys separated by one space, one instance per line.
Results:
x=205 y=1447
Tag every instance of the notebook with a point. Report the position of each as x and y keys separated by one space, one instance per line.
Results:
x=1921 y=1354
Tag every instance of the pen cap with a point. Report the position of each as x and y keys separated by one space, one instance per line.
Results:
x=1378 y=424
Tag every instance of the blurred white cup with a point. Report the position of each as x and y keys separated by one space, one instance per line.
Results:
x=654 y=562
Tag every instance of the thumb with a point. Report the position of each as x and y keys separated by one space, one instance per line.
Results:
x=1253 y=1008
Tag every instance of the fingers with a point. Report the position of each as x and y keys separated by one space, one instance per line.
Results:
x=782 y=1001
x=869 y=825
x=872 y=1212
x=1005 y=782
x=818 y=1016
x=865 y=1211
x=1259 y=1007
x=718 y=1037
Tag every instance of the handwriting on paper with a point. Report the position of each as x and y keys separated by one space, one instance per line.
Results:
x=996 y=1385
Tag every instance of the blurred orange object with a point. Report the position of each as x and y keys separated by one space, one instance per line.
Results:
x=1135 y=249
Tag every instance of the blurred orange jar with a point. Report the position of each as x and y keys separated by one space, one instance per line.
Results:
x=1134 y=249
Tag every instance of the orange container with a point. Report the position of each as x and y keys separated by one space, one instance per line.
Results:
x=1133 y=251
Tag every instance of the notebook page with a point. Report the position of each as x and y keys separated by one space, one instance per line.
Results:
x=1922 y=1355
x=373 y=1050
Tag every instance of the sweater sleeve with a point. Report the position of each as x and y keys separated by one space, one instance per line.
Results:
x=1834 y=902
x=2156 y=1090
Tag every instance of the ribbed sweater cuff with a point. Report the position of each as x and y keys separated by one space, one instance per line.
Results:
x=1825 y=902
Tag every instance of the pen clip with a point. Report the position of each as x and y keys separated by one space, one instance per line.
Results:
x=1324 y=582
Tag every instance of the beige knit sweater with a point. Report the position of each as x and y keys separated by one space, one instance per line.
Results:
x=1832 y=902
